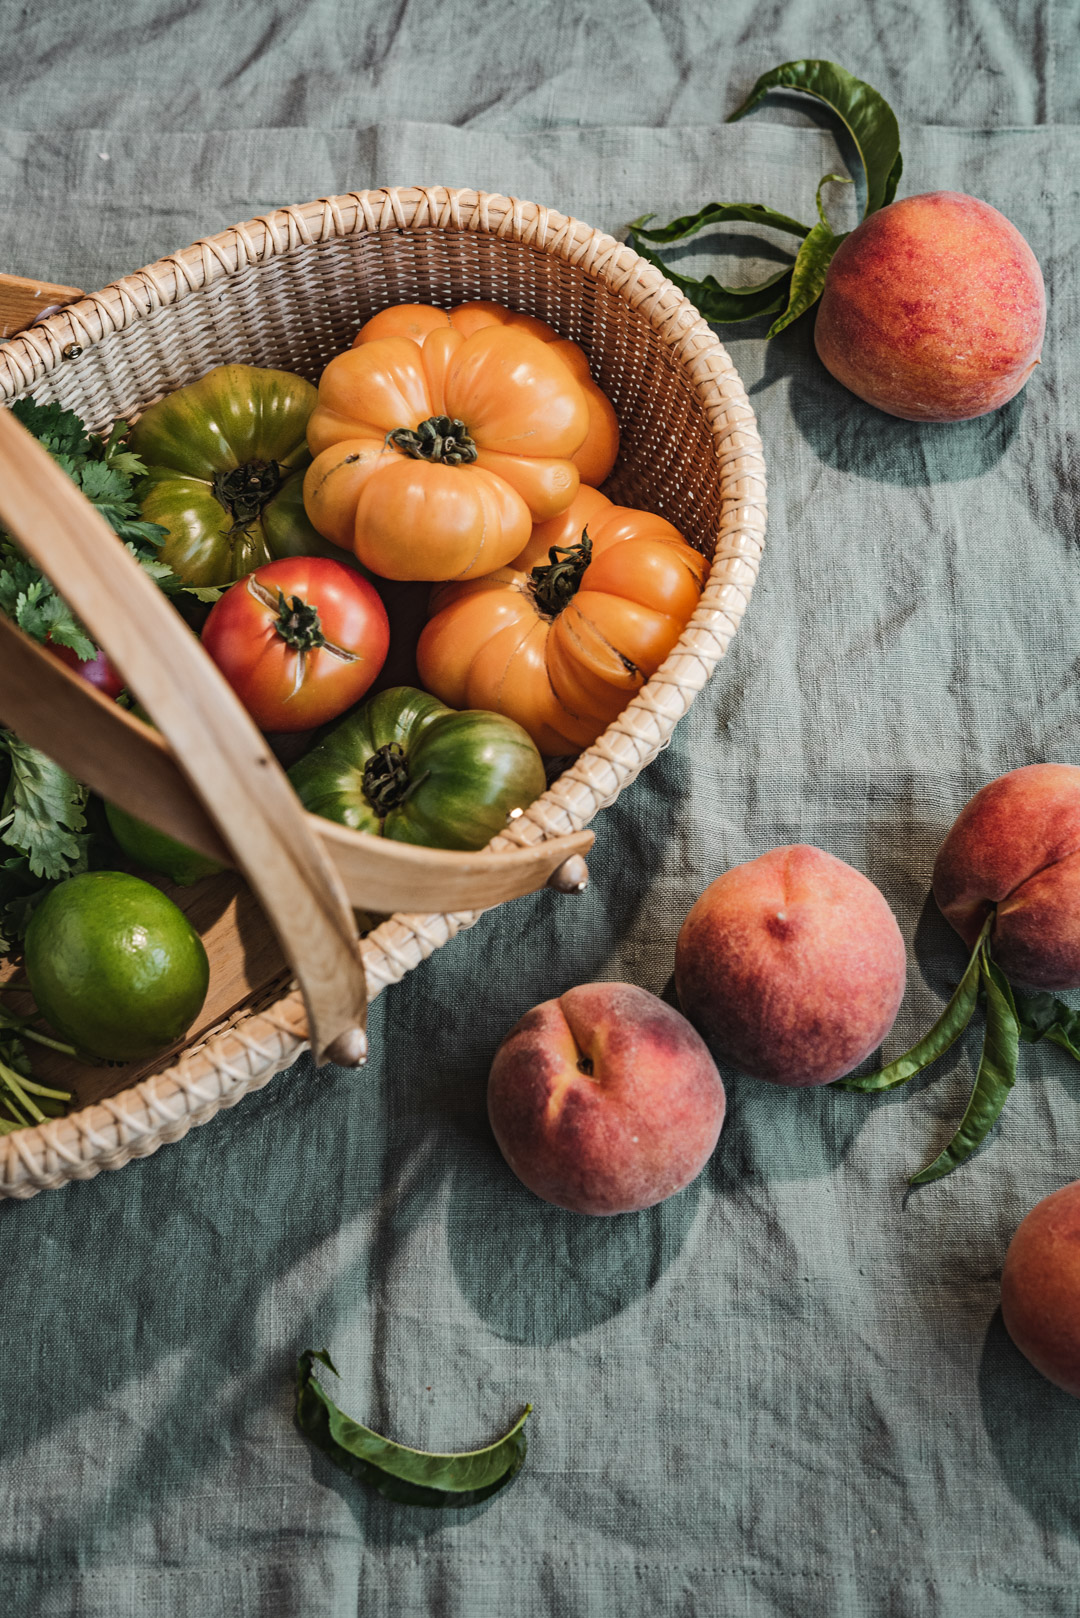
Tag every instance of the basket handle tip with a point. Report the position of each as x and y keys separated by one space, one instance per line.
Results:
x=349 y=1049
x=572 y=876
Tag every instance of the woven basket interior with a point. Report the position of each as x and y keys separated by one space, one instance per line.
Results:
x=299 y=309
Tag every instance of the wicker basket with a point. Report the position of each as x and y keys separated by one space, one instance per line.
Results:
x=290 y=290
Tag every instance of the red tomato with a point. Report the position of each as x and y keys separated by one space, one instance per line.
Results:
x=299 y=640
x=96 y=671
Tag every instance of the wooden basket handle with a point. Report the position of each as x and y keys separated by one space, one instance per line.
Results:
x=212 y=738
x=22 y=302
x=115 y=754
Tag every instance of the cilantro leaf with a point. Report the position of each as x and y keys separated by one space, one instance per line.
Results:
x=105 y=470
x=42 y=811
x=61 y=431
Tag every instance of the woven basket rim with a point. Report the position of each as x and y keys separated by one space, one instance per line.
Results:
x=224 y=1066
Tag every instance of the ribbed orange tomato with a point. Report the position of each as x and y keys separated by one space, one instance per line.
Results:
x=596 y=456
x=434 y=457
x=563 y=637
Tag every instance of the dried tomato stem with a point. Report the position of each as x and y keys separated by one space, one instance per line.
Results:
x=445 y=439
x=387 y=783
x=247 y=489
x=556 y=582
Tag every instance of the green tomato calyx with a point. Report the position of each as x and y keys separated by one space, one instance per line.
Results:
x=298 y=623
x=445 y=439
x=556 y=582
x=387 y=783
x=247 y=489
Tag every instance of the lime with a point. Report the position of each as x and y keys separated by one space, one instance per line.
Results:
x=157 y=850
x=115 y=966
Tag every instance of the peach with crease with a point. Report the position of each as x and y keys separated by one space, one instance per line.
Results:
x=605 y=1100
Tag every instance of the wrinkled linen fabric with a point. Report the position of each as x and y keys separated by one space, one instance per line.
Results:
x=788 y=1390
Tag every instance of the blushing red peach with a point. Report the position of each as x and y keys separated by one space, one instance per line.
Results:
x=1040 y=1288
x=605 y=1100
x=792 y=966
x=933 y=309
x=1016 y=845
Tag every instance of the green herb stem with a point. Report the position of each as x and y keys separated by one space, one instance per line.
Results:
x=15 y=1096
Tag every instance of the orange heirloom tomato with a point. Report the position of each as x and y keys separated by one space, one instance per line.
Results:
x=596 y=456
x=563 y=637
x=435 y=455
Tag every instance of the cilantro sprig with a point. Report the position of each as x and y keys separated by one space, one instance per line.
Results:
x=104 y=470
x=43 y=832
x=44 y=835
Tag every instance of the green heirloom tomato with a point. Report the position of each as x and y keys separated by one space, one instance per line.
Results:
x=225 y=460
x=405 y=766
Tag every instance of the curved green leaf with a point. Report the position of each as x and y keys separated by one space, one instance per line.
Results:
x=867 y=116
x=719 y=213
x=892 y=182
x=994 y=1080
x=413 y=1477
x=1041 y=1016
x=812 y=264
x=720 y=304
x=945 y=1032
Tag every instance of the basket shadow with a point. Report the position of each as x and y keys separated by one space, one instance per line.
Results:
x=856 y=439
x=1034 y=1431
x=194 y=1353
x=197 y=1326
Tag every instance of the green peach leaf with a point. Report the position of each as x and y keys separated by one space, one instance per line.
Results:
x=994 y=1080
x=719 y=213
x=945 y=1032
x=410 y=1476
x=812 y=264
x=866 y=115
x=720 y=304
x=1041 y=1016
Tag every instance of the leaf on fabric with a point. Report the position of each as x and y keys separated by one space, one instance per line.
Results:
x=945 y=1032
x=1042 y=1016
x=812 y=263
x=993 y=1081
x=866 y=115
x=720 y=304
x=719 y=213
x=411 y=1476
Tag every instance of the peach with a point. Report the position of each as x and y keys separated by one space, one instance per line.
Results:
x=933 y=309
x=1016 y=845
x=605 y=1101
x=792 y=966
x=1040 y=1287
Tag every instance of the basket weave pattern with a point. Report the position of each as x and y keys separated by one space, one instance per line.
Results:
x=290 y=290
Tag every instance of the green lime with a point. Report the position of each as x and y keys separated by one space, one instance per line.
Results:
x=156 y=850
x=115 y=966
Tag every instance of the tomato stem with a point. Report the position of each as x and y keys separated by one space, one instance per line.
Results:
x=555 y=582
x=247 y=489
x=387 y=783
x=445 y=439
x=298 y=623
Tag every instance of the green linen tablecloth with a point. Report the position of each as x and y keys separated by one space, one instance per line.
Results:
x=788 y=1390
